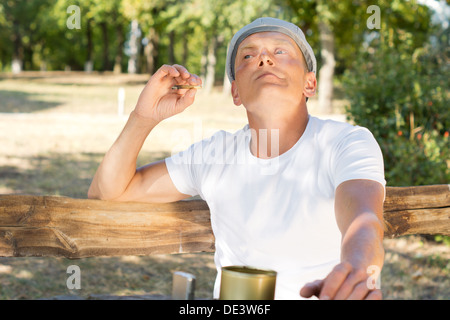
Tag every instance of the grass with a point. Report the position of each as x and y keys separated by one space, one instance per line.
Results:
x=39 y=278
x=54 y=131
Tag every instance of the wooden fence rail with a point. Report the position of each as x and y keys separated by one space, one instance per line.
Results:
x=77 y=228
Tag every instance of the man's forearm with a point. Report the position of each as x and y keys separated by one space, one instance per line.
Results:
x=119 y=164
x=362 y=244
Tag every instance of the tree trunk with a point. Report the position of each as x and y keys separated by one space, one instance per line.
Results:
x=151 y=50
x=185 y=48
x=119 y=53
x=17 y=59
x=204 y=60
x=104 y=28
x=134 y=47
x=27 y=57
x=326 y=72
x=226 y=89
x=172 y=47
x=89 y=65
x=211 y=65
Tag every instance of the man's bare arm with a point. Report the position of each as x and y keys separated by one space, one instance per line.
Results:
x=359 y=215
x=117 y=177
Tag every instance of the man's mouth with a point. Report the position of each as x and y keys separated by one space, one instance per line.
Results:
x=267 y=74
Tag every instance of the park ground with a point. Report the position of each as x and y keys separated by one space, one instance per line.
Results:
x=54 y=130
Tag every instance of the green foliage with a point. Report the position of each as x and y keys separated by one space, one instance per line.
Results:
x=401 y=94
x=445 y=240
x=180 y=30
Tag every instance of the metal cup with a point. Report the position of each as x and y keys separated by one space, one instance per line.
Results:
x=247 y=283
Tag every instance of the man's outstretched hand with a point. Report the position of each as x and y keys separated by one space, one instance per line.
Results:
x=343 y=283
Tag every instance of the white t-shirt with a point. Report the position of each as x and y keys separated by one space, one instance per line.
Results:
x=277 y=213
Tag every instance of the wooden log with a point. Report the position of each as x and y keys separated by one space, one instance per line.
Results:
x=77 y=228
x=417 y=210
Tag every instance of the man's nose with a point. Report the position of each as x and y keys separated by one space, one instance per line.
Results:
x=264 y=58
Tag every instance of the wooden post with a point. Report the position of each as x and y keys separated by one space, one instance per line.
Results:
x=77 y=228
x=417 y=210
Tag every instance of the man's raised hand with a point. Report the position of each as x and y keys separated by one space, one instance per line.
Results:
x=158 y=101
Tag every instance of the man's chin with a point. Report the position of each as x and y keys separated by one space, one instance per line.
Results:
x=271 y=99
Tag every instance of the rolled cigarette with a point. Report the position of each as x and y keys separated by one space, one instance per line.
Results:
x=185 y=86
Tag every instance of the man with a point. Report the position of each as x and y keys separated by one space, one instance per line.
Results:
x=288 y=192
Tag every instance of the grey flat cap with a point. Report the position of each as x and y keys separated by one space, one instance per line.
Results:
x=270 y=24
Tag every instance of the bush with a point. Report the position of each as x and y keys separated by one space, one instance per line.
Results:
x=402 y=96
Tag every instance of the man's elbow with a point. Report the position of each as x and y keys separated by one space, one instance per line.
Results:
x=96 y=193
x=92 y=194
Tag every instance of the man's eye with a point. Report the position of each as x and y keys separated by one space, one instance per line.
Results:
x=247 y=56
x=280 y=51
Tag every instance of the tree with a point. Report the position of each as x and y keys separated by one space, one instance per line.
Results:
x=327 y=53
x=316 y=19
x=148 y=15
x=18 y=22
x=398 y=88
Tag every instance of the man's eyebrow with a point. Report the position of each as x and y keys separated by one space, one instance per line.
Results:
x=283 y=41
x=247 y=47
x=275 y=41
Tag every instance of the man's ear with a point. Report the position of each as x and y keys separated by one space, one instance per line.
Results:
x=235 y=94
x=310 y=85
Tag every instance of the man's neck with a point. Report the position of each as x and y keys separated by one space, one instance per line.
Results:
x=273 y=135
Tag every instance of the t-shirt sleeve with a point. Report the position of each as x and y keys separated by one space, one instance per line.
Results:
x=181 y=168
x=358 y=156
x=193 y=170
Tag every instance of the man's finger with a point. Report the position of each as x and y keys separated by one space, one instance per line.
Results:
x=185 y=100
x=195 y=80
x=334 y=281
x=311 y=289
x=359 y=292
x=353 y=279
x=374 y=295
x=166 y=70
x=185 y=74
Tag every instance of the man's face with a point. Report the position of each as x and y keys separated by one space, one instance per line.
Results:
x=269 y=69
